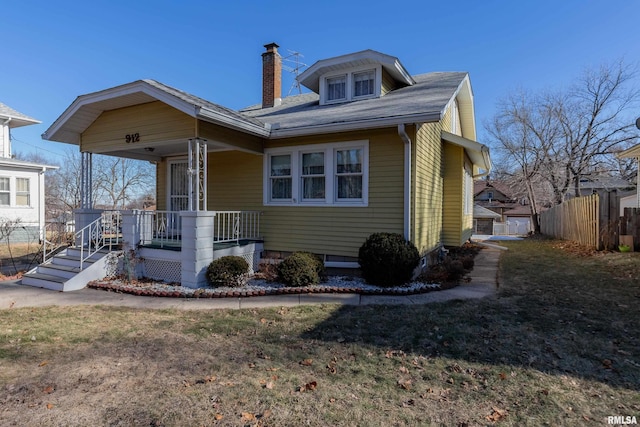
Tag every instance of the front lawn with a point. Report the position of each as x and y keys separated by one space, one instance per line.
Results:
x=559 y=345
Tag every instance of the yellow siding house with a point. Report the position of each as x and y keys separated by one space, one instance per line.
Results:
x=369 y=148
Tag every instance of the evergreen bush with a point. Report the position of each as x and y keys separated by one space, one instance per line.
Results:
x=386 y=259
x=231 y=271
x=301 y=269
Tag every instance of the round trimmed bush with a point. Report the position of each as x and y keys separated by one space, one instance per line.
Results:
x=386 y=259
x=301 y=269
x=231 y=271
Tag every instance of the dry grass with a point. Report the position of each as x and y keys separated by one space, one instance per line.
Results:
x=558 y=346
x=16 y=257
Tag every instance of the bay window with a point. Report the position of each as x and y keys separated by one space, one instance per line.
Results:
x=317 y=175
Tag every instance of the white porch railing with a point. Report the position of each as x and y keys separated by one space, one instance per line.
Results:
x=164 y=228
x=233 y=226
x=104 y=232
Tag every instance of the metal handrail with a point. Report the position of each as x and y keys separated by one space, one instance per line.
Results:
x=104 y=232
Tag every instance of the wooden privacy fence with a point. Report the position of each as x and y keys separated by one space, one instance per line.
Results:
x=576 y=219
x=593 y=221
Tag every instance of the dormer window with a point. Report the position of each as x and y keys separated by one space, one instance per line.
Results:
x=356 y=76
x=352 y=85
x=337 y=88
x=363 y=83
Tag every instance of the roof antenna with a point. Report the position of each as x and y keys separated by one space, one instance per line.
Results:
x=294 y=59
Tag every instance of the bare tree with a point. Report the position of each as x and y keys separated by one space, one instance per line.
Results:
x=558 y=137
x=595 y=120
x=122 y=180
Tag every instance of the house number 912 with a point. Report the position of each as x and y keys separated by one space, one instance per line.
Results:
x=132 y=137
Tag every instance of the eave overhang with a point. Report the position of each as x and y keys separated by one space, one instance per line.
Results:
x=12 y=163
x=478 y=153
x=365 y=124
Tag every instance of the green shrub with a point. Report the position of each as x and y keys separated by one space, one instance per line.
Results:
x=232 y=271
x=301 y=269
x=386 y=259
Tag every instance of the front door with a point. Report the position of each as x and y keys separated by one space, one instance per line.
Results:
x=178 y=186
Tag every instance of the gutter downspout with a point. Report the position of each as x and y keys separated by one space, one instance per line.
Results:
x=487 y=163
x=407 y=180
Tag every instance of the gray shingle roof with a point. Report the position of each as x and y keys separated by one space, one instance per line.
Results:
x=203 y=103
x=428 y=96
x=17 y=118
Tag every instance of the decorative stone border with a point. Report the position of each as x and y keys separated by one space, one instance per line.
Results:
x=213 y=293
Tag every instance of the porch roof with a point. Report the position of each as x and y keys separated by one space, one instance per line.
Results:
x=85 y=109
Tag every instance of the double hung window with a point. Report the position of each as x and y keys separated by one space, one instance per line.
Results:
x=317 y=175
x=349 y=173
x=363 y=83
x=351 y=85
x=313 y=178
x=5 y=191
x=281 y=178
x=337 y=88
x=22 y=192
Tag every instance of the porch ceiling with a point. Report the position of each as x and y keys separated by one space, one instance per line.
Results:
x=168 y=148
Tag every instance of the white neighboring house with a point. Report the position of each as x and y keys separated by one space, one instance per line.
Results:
x=21 y=183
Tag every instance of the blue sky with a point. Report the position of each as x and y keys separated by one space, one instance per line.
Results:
x=56 y=51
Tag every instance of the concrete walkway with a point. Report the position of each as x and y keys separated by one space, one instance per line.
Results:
x=484 y=282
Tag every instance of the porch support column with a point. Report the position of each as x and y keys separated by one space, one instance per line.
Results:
x=197 y=247
x=86 y=214
x=197 y=174
x=86 y=180
x=136 y=227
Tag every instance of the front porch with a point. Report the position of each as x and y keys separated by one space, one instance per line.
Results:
x=170 y=246
x=177 y=246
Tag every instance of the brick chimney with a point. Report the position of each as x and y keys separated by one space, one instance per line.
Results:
x=271 y=76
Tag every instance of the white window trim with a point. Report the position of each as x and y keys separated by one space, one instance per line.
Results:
x=329 y=174
x=28 y=192
x=349 y=73
x=468 y=190
x=7 y=191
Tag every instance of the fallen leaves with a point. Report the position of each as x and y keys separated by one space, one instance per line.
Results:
x=310 y=386
x=405 y=384
x=306 y=362
x=48 y=389
x=496 y=415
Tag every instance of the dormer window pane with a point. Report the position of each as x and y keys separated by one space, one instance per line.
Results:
x=363 y=83
x=336 y=88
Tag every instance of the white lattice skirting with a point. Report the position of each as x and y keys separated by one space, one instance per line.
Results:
x=167 y=271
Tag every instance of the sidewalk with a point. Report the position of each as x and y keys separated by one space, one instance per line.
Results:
x=484 y=282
